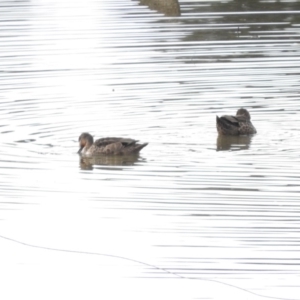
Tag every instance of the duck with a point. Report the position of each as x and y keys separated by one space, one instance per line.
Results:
x=239 y=124
x=108 y=146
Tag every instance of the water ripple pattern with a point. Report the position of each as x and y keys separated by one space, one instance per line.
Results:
x=195 y=204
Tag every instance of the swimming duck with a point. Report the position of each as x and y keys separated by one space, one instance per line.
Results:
x=110 y=145
x=236 y=125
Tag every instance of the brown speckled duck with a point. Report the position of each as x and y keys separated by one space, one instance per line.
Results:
x=108 y=146
x=236 y=125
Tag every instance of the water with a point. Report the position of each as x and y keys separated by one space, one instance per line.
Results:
x=192 y=205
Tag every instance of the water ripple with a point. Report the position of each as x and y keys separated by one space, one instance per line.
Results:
x=193 y=203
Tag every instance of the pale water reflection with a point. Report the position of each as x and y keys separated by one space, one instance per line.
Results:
x=118 y=228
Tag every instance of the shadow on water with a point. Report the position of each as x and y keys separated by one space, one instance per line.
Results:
x=167 y=7
x=88 y=163
x=233 y=143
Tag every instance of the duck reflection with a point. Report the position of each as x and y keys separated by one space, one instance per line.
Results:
x=233 y=143
x=88 y=163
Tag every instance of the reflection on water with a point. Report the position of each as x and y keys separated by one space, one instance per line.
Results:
x=248 y=19
x=87 y=163
x=233 y=143
x=167 y=7
x=121 y=69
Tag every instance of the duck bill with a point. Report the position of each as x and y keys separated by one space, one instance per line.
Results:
x=79 y=151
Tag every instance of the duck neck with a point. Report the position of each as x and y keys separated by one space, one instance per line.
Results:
x=89 y=142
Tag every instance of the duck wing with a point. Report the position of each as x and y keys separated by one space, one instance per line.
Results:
x=228 y=125
x=112 y=140
x=230 y=119
x=235 y=120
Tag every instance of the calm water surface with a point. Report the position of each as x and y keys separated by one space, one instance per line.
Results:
x=193 y=207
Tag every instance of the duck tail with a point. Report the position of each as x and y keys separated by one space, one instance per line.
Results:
x=224 y=127
x=222 y=122
x=139 y=147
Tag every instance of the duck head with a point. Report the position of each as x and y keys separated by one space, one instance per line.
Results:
x=85 y=141
x=243 y=112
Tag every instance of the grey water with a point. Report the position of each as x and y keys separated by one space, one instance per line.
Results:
x=195 y=216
